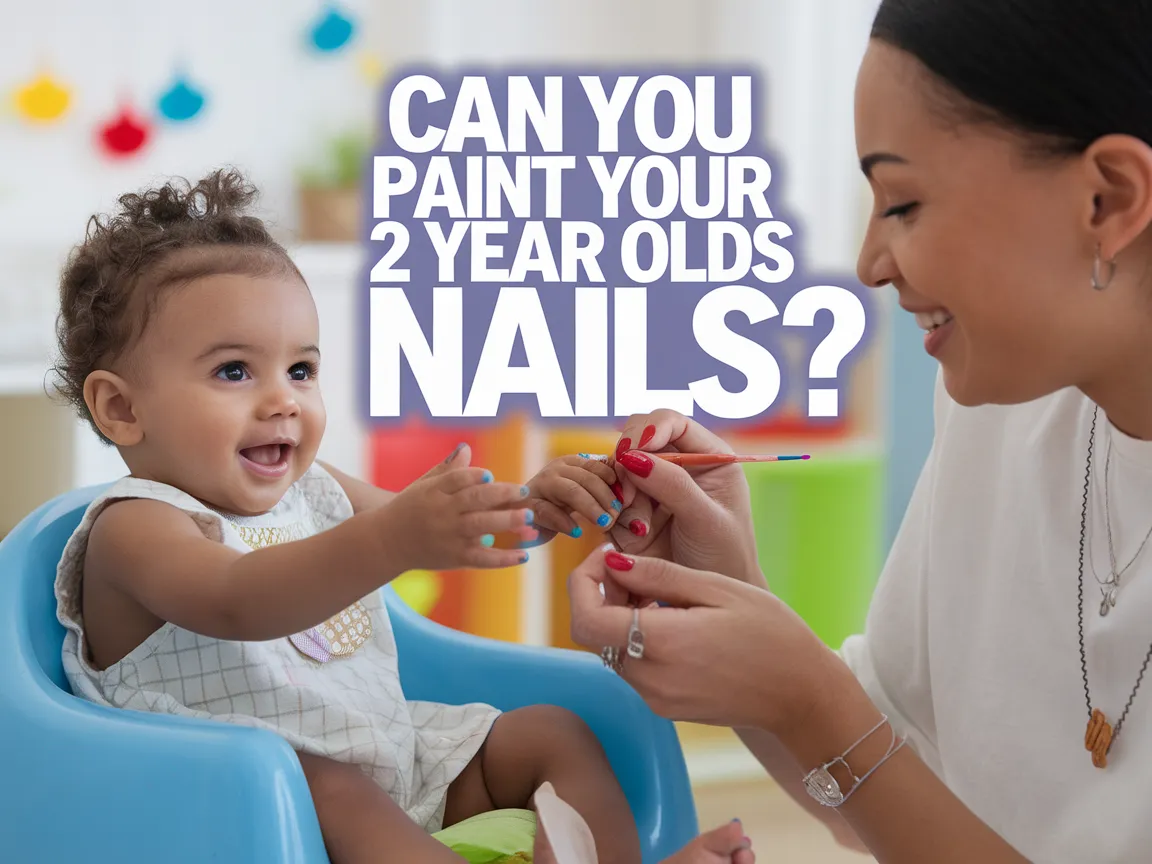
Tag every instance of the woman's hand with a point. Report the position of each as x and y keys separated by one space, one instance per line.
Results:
x=704 y=516
x=723 y=652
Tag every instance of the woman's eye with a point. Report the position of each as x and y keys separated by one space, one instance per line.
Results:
x=302 y=372
x=232 y=372
x=899 y=211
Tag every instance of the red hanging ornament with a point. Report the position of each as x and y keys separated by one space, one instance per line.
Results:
x=125 y=134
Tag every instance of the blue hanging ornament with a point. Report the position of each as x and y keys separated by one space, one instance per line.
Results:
x=332 y=31
x=180 y=102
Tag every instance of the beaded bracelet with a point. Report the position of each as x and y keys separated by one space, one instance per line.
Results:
x=822 y=786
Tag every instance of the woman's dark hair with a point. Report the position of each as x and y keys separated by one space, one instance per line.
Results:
x=160 y=238
x=1065 y=72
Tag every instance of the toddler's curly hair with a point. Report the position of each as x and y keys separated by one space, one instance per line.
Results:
x=161 y=237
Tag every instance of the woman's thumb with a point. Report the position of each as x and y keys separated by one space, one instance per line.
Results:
x=660 y=580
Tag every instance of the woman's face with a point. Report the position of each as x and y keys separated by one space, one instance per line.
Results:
x=984 y=239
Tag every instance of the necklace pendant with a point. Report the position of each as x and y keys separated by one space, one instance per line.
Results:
x=1109 y=600
x=1098 y=738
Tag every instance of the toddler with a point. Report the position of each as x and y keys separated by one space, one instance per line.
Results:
x=231 y=576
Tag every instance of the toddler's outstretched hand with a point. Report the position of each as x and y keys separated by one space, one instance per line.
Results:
x=571 y=485
x=448 y=518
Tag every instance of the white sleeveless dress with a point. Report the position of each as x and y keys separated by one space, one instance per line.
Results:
x=333 y=691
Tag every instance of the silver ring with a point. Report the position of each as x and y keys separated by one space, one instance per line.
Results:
x=635 y=637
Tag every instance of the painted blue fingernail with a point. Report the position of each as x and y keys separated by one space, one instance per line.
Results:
x=524 y=558
x=664 y=605
x=525 y=491
x=528 y=517
x=583 y=455
x=604 y=520
x=576 y=532
x=487 y=540
x=617 y=506
x=487 y=476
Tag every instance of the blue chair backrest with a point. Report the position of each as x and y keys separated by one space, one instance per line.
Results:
x=30 y=633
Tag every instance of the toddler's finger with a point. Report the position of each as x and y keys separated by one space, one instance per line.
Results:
x=548 y=516
x=453 y=481
x=484 y=558
x=489 y=522
x=570 y=491
x=599 y=486
x=489 y=496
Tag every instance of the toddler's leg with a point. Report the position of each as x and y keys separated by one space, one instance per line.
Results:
x=361 y=824
x=541 y=744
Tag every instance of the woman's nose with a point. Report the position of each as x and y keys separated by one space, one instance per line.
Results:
x=875 y=266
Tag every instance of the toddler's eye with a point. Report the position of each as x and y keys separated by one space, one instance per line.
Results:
x=232 y=372
x=302 y=372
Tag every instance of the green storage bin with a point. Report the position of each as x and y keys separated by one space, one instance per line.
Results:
x=819 y=535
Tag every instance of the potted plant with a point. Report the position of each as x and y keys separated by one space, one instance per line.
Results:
x=331 y=194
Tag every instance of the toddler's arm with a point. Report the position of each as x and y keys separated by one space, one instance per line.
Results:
x=363 y=496
x=157 y=557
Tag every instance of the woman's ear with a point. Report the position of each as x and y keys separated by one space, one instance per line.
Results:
x=109 y=401
x=1120 y=174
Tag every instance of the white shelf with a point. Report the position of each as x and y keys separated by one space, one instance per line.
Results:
x=23 y=378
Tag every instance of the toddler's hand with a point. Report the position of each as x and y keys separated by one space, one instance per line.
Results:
x=575 y=484
x=448 y=518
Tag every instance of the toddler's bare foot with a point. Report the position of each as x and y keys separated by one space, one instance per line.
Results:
x=562 y=837
x=723 y=845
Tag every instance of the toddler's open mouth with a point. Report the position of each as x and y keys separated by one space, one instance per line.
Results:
x=267 y=460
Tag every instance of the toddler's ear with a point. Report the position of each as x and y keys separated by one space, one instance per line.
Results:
x=109 y=401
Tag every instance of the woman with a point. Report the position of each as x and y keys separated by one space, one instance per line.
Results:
x=1007 y=146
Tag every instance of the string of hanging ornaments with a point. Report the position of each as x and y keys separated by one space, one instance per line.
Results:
x=45 y=99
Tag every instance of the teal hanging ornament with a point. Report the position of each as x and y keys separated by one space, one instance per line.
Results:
x=332 y=30
x=181 y=101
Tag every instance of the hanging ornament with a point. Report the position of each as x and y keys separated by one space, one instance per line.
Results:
x=124 y=134
x=370 y=68
x=44 y=99
x=181 y=101
x=332 y=30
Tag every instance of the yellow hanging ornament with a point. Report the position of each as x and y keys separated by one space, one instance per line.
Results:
x=44 y=99
x=370 y=68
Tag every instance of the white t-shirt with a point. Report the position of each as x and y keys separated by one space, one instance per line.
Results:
x=971 y=641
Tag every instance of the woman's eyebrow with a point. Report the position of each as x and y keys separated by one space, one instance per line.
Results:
x=872 y=159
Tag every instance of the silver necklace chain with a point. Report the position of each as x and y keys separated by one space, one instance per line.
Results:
x=1110 y=587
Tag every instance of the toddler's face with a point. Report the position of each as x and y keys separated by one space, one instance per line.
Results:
x=227 y=396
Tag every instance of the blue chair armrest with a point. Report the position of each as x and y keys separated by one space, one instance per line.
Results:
x=442 y=665
x=94 y=784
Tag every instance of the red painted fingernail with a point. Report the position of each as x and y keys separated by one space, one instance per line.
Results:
x=638 y=528
x=618 y=491
x=624 y=445
x=617 y=561
x=637 y=463
x=647 y=435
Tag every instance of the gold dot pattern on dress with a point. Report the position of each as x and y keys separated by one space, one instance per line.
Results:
x=345 y=631
x=260 y=538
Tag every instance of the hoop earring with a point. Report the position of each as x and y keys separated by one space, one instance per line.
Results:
x=1111 y=265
